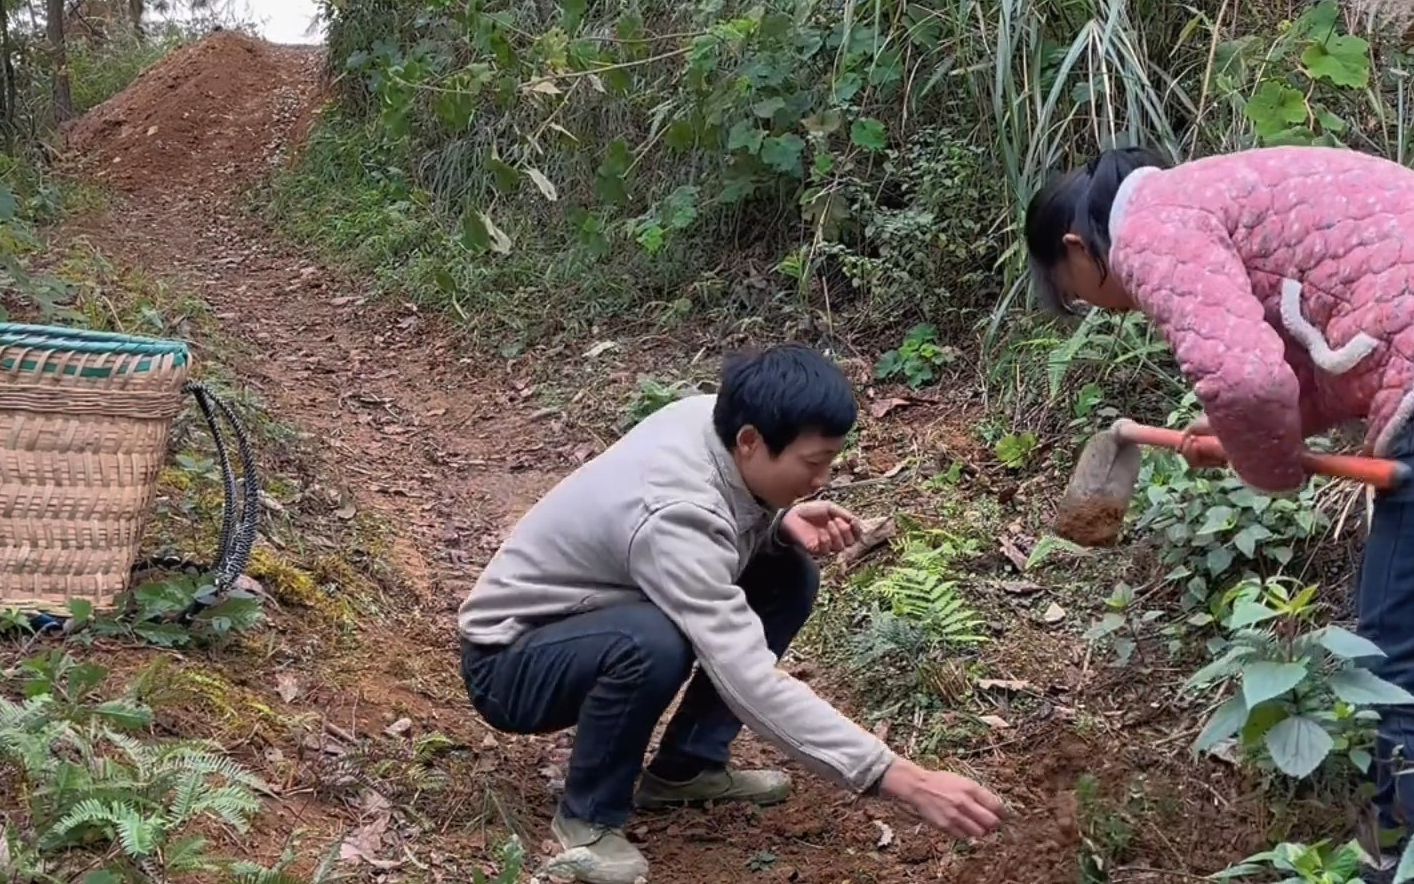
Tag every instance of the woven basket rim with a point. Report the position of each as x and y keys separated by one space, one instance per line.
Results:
x=53 y=337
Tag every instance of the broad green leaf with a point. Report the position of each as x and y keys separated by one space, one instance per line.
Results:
x=1405 y=870
x=124 y=715
x=572 y=13
x=1247 y=539
x=767 y=107
x=1361 y=759
x=9 y=206
x=505 y=176
x=1218 y=518
x=826 y=122
x=1292 y=136
x=1226 y=721
x=81 y=611
x=1316 y=23
x=103 y=876
x=1264 y=680
x=1106 y=625
x=480 y=233
x=782 y=153
x=775 y=25
x=847 y=86
x=681 y=135
x=1248 y=613
x=1347 y=645
x=744 y=135
x=679 y=208
x=1361 y=687
x=869 y=134
x=543 y=184
x=1218 y=560
x=1274 y=107
x=1342 y=61
x=1298 y=745
x=652 y=237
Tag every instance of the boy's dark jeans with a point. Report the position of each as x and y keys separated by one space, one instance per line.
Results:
x=1385 y=605
x=614 y=672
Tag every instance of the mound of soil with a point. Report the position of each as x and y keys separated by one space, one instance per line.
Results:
x=216 y=114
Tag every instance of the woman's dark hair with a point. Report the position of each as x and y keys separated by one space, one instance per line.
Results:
x=783 y=392
x=1080 y=202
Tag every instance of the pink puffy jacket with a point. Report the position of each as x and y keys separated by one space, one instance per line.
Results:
x=1283 y=279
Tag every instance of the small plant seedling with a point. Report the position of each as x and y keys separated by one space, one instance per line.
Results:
x=918 y=360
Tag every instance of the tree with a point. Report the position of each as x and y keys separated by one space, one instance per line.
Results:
x=58 y=56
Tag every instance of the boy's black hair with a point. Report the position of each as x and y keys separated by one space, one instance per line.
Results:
x=1078 y=201
x=783 y=392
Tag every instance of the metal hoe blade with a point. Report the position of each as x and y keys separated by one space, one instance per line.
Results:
x=1092 y=511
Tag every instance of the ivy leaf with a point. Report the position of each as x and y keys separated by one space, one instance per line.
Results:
x=1218 y=560
x=1274 y=107
x=1361 y=759
x=1298 y=745
x=1105 y=626
x=1247 y=539
x=869 y=134
x=1219 y=518
x=1341 y=61
x=1347 y=645
x=456 y=108
x=782 y=153
x=745 y=136
x=1264 y=680
x=1361 y=687
x=1226 y=721
x=545 y=186
x=609 y=182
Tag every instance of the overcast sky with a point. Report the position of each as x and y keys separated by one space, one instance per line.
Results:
x=285 y=21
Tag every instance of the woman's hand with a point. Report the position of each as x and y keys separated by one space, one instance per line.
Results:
x=1189 y=449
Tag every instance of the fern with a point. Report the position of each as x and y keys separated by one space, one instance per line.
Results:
x=921 y=590
x=91 y=780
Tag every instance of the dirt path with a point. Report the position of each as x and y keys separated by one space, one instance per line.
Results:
x=450 y=450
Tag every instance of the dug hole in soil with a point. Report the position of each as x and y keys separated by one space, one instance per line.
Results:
x=451 y=454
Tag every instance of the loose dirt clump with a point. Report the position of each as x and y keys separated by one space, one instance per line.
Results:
x=221 y=111
x=1094 y=522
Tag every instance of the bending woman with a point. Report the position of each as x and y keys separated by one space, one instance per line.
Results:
x=1283 y=279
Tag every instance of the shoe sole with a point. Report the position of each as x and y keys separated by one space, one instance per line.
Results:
x=651 y=803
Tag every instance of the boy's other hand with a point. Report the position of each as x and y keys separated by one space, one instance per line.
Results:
x=821 y=527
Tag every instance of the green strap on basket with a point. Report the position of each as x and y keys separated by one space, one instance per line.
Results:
x=150 y=351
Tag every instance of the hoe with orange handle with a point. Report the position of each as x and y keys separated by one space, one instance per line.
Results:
x=1097 y=498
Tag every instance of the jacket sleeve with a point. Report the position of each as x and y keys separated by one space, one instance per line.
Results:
x=683 y=558
x=1181 y=269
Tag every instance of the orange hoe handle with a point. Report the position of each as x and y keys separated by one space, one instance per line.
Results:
x=1378 y=472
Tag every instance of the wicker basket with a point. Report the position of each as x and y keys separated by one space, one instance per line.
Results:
x=84 y=420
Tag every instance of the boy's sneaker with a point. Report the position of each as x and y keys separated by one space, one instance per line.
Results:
x=760 y=787
x=595 y=854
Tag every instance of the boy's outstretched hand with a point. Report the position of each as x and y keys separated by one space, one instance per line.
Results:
x=821 y=527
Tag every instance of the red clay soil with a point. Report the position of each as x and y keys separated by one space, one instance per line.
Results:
x=451 y=449
x=221 y=110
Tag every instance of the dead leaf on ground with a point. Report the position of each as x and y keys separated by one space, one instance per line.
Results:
x=1013 y=554
x=895 y=470
x=875 y=533
x=399 y=727
x=880 y=409
x=347 y=511
x=287 y=686
x=1054 y=614
x=600 y=349
x=365 y=842
x=1022 y=587
x=996 y=722
x=1003 y=684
